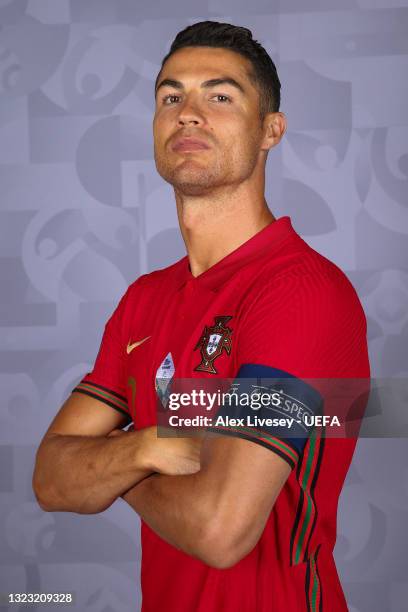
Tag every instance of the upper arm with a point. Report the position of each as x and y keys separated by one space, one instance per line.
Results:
x=246 y=467
x=243 y=480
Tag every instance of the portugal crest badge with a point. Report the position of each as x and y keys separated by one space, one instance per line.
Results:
x=213 y=341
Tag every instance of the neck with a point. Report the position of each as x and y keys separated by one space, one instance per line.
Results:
x=214 y=225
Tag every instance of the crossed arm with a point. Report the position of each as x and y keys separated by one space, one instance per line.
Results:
x=209 y=499
x=218 y=513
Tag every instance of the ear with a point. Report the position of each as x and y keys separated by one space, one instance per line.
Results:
x=274 y=126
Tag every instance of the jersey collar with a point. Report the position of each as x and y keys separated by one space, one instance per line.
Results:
x=262 y=244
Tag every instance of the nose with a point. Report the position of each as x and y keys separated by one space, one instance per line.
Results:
x=187 y=121
x=189 y=114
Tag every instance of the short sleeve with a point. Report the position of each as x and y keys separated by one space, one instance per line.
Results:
x=302 y=326
x=106 y=382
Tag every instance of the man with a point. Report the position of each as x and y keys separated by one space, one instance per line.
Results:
x=246 y=520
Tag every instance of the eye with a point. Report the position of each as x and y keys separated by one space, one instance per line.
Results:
x=226 y=98
x=166 y=99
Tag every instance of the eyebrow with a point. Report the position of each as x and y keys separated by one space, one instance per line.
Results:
x=207 y=84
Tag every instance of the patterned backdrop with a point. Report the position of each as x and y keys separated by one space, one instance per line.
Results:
x=83 y=213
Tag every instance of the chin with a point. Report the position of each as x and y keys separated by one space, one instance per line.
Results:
x=190 y=181
x=193 y=189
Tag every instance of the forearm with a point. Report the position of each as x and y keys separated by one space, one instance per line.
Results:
x=177 y=508
x=85 y=474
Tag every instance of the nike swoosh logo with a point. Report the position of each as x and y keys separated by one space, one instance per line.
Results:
x=130 y=347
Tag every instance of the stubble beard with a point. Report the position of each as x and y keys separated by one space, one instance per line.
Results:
x=190 y=177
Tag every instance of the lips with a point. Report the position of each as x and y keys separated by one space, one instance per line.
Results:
x=189 y=144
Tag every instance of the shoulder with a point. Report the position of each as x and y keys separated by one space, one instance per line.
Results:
x=149 y=286
x=306 y=317
x=309 y=280
x=155 y=280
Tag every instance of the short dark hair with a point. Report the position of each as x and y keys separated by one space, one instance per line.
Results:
x=216 y=34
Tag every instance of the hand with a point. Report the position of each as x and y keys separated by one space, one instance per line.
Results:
x=171 y=456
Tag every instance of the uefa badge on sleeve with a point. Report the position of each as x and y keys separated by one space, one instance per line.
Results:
x=164 y=375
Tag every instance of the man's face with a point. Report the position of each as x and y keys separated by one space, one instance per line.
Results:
x=223 y=117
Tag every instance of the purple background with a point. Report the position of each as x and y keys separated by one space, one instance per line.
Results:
x=83 y=213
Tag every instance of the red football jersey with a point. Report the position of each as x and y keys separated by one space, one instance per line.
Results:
x=278 y=303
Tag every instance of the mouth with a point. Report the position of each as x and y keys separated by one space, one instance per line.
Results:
x=189 y=144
